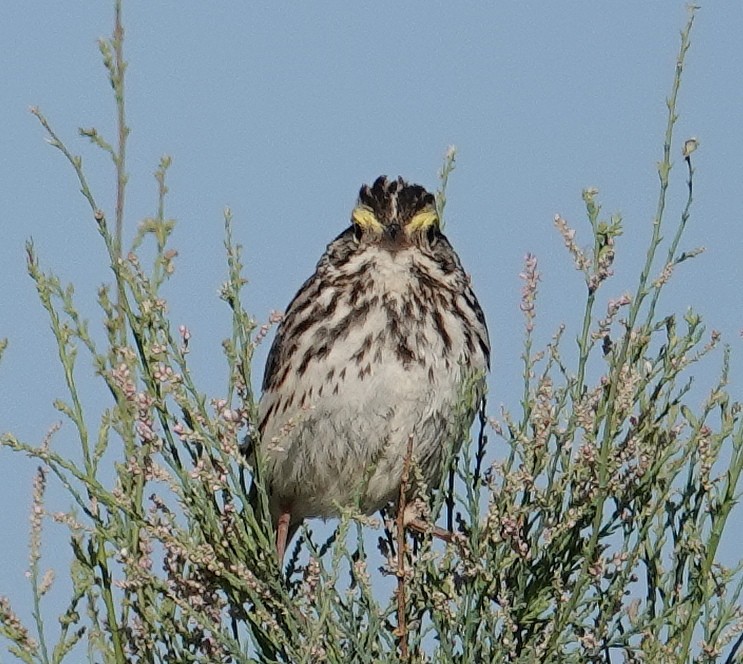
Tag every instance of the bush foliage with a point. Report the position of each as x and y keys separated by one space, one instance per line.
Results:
x=593 y=539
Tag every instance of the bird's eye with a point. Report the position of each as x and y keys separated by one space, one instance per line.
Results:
x=358 y=232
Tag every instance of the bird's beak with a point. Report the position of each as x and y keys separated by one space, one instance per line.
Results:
x=393 y=232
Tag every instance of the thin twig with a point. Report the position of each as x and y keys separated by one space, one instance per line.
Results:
x=482 y=443
x=731 y=657
x=123 y=131
x=402 y=629
x=450 y=498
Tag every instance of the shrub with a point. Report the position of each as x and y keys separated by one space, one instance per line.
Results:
x=594 y=539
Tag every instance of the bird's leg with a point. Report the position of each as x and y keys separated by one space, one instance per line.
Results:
x=421 y=526
x=413 y=520
x=282 y=533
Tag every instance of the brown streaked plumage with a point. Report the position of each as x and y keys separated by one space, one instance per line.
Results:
x=375 y=347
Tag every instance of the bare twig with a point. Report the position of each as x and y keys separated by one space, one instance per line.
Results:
x=402 y=629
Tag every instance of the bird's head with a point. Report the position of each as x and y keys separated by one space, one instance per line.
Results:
x=394 y=213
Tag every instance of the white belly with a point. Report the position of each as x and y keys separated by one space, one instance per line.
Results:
x=343 y=436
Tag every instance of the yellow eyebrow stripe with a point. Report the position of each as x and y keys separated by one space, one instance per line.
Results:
x=423 y=220
x=365 y=219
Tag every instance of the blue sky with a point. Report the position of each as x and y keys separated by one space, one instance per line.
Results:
x=282 y=111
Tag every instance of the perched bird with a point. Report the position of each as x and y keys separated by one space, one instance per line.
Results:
x=386 y=340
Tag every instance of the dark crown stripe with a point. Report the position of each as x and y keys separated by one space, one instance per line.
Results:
x=411 y=198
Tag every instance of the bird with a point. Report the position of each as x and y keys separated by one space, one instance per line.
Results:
x=383 y=344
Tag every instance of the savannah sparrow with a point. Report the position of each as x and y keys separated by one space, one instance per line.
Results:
x=376 y=347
